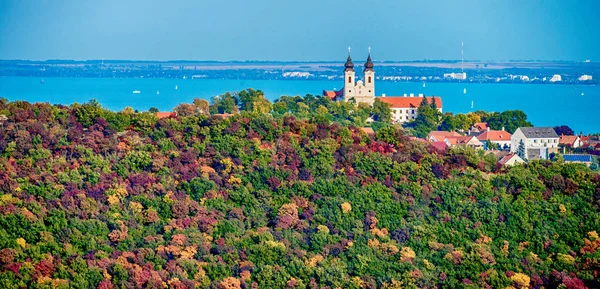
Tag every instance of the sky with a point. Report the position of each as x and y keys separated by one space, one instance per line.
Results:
x=304 y=30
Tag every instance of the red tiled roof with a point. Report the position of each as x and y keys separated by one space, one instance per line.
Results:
x=439 y=145
x=440 y=135
x=332 y=93
x=454 y=140
x=222 y=115
x=329 y=93
x=408 y=102
x=166 y=114
x=481 y=126
x=421 y=140
x=506 y=158
x=368 y=130
x=567 y=139
x=494 y=135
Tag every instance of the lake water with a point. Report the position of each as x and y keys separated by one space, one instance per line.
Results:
x=545 y=104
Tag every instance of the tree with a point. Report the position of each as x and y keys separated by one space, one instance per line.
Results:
x=432 y=103
x=563 y=130
x=225 y=103
x=381 y=111
x=491 y=146
x=185 y=109
x=510 y=120
x=280 y=108
x=448 y=123
x=202 y=106
x=87 y=113
x=427 y=119
x=521 y=149
x=128 y=110
x=153 y=110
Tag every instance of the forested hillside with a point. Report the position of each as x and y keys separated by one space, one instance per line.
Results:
x=277 y=196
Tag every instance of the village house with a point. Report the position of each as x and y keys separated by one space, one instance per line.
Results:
x=498 y=137
x=440 y=135
x=537 y=142
x=570 y=141
x=404 y=108
x=479 y=127
x=368 y=130
x=511 y=159
x=440 y=146
x=589 y=141
x=470 y=141
x=166 y=114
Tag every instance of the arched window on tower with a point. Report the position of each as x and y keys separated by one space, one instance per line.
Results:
x=369 y=79
x=349 y=79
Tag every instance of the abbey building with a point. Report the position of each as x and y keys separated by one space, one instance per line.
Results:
x=361 y=90
x=404 y=108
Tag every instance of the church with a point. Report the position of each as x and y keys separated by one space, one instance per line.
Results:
x=404 y=108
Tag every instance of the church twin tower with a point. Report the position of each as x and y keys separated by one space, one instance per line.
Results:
x=362 y=90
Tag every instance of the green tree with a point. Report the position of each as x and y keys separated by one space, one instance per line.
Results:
x=491 y=146
x=427 y=119
x=510 y=120
x=381 y=111
x=88 y=112
x=521 y=149
x=225 y=103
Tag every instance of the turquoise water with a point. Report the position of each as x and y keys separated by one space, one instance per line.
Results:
x=545 y=104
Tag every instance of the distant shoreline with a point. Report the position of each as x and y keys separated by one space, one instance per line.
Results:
x=539 y=72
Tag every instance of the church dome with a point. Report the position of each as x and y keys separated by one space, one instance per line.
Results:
x=349 y=65
x=369 y=64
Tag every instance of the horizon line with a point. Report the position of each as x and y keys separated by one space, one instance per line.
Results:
x=293 y=61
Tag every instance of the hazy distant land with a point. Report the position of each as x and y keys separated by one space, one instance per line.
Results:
x=429 y=71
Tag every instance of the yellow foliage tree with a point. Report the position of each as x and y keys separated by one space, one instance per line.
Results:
x=562 y=208
x=407 y=254
x=346 y=207
x=136 y=207
x=521 y=280
x=21 y=242
x=230 y=283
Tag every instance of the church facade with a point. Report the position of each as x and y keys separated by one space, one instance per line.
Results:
x=361 y=90
x=404 y=108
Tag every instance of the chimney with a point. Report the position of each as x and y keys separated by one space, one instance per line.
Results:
x=488 y=128
x=420 y=95
x=412 y=95
x=405 y=95
x=502 y=128
x=383 y=95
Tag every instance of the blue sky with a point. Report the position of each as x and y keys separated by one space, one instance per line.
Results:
x=299 y=30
